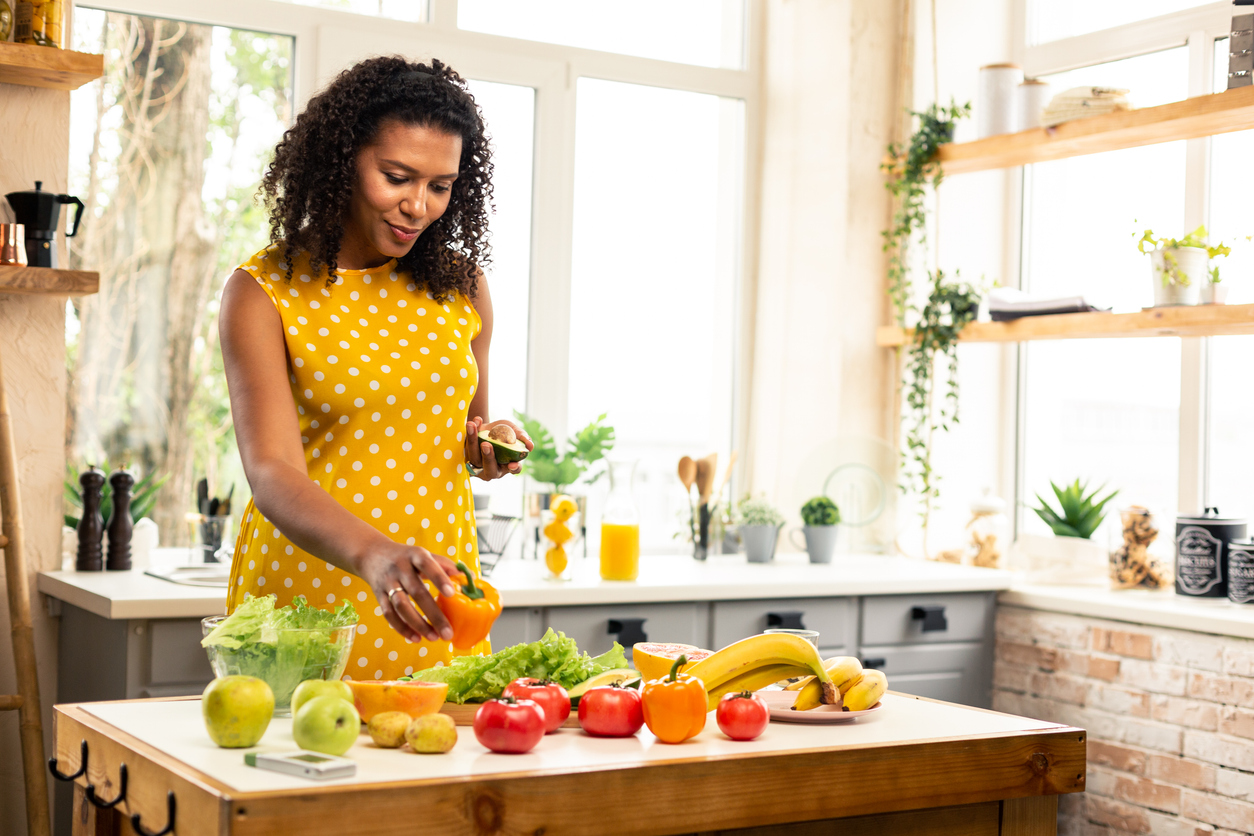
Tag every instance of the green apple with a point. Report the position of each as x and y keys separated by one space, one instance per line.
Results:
x=311 y=688
x=237 y=710
x=328 y=725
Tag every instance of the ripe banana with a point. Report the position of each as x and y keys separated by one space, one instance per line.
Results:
x=867 y=691
x=844 y=671
x=760 y=651
x=752 y=681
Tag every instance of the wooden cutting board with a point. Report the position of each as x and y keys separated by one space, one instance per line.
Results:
x=464 y=715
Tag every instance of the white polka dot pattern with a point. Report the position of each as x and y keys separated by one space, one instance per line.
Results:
x=372 y=461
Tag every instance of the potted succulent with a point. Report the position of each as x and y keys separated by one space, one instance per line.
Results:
x=1179 y=266
x=759 y=529
x=822 y=519
x=1070 y=556
x=1214 y=293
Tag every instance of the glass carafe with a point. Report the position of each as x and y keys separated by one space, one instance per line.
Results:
x=620 y=525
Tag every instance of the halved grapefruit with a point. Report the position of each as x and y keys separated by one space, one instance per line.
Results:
x=654 y=659
x=416 y=698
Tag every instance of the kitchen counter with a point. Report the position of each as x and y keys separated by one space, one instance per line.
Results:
x=133 y=595
x=1160 y=608
x=916 y=766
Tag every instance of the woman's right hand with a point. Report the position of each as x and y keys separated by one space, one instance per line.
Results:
x=400 y=570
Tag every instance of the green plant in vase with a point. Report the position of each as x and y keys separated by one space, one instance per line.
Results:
x=1079 y=512
x=820 y=511
x=561 y=470
x=760 y=522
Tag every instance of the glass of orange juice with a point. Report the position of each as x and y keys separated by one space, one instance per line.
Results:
x=620 y=526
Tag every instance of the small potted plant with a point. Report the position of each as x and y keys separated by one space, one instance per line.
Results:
x=1070 y=555
x=759 y=529
x=1213 y=293
x=1179 y=266
x=821 y=518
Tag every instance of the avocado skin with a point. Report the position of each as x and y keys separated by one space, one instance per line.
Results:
x=505 y=453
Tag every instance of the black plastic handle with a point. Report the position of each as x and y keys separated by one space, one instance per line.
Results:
x=169 y=825
x=78 y=213
x=786 y=620
x=121 y=796
x=933 y=618
x=876 y=663
x=628 y=631
x=82 y=765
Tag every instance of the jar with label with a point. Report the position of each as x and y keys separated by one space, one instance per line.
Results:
x=39 y=22
x=988 y=532
x=1241 y=571
x=1202 y=553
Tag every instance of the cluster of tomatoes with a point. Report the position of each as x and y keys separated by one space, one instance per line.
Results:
x=529 y=709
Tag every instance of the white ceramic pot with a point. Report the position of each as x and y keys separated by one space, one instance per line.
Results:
x=759 y=542
x=1188 y=264
x=1214 y=294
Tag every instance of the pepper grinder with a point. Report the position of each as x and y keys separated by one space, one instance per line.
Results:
x=120 y=526
x=91 y=523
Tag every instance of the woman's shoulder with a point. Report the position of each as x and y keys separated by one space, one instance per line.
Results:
x=271 y=263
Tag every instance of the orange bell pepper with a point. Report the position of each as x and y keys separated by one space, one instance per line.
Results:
x=472 y=610
x=675 y=705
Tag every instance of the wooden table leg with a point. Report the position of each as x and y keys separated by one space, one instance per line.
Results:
x=1033 y=816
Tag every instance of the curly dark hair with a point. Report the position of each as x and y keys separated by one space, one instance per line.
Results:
x=309 y=184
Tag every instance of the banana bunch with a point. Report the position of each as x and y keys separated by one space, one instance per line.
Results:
x=757 y=661
x=859 y=689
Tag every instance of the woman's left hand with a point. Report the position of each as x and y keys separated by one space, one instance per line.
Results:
x=479 y=453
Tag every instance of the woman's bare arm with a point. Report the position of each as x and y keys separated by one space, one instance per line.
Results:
x=479 y=453
x=268 y=432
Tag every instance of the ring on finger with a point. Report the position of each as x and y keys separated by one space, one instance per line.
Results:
x=393 y=591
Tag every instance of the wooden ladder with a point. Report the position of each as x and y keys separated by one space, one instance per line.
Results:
x=26 y=701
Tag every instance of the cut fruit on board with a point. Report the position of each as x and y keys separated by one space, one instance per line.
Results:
x=654 y=659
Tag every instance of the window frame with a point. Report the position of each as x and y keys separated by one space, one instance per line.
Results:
x=553 y=71
x=1197 y=29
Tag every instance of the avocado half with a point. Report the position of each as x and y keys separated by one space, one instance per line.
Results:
x=507 y=446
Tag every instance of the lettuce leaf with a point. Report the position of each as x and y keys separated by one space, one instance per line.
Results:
x=554 y=656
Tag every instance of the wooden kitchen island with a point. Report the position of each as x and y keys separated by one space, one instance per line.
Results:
x=916 y=766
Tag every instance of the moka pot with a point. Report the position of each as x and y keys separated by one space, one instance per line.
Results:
x=40 y=211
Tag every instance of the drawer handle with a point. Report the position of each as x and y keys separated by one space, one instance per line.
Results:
x=628 y=631
x=933 y=618
x=786 y=620
x=877 y=663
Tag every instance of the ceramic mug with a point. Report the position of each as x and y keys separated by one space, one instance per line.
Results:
x=759 y=542
x=820 y=541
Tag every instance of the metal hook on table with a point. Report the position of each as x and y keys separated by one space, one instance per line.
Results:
x=169 y=825
x=121 y=796
x=82 y=765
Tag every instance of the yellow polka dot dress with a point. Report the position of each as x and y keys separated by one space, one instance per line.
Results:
x=382 y=374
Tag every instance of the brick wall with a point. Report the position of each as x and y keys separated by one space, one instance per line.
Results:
x=1170 y=717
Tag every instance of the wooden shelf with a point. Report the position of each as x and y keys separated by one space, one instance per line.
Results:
x=1231 y=110
x=46 y=281
x=1199 y=321
x=44 y=66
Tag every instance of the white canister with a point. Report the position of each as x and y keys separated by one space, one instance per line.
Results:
x=1033 y=96
x=995 y=104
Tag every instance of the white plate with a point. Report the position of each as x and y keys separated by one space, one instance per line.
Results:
x=780 y=704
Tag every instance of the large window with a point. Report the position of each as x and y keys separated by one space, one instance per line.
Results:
x=1162 y=420
x=619 y=182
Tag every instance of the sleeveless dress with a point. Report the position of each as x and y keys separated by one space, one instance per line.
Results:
x=382 y=374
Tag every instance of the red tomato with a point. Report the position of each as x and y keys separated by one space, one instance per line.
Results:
x=742 y=716
x=611 y=711
x=509 y=726
x=550 y=696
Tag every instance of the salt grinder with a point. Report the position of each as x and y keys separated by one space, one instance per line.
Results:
x=120 y=526
x=91 y=523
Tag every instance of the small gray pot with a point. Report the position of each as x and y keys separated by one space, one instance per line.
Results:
x=820 y=541
x=759 y=542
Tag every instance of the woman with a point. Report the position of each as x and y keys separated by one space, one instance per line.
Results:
x=356 y=350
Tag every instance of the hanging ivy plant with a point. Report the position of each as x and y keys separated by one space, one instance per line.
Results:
x=931 y=380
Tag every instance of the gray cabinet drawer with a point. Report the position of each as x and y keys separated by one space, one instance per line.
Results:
x=517 y=625
x=175 y=654
x=686 y=623
x=888 y=619
x=958 y=672
x=833 y=618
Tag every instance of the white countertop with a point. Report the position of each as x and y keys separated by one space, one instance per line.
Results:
x=1161 y=608
x=126 y=595
x=177 y=728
